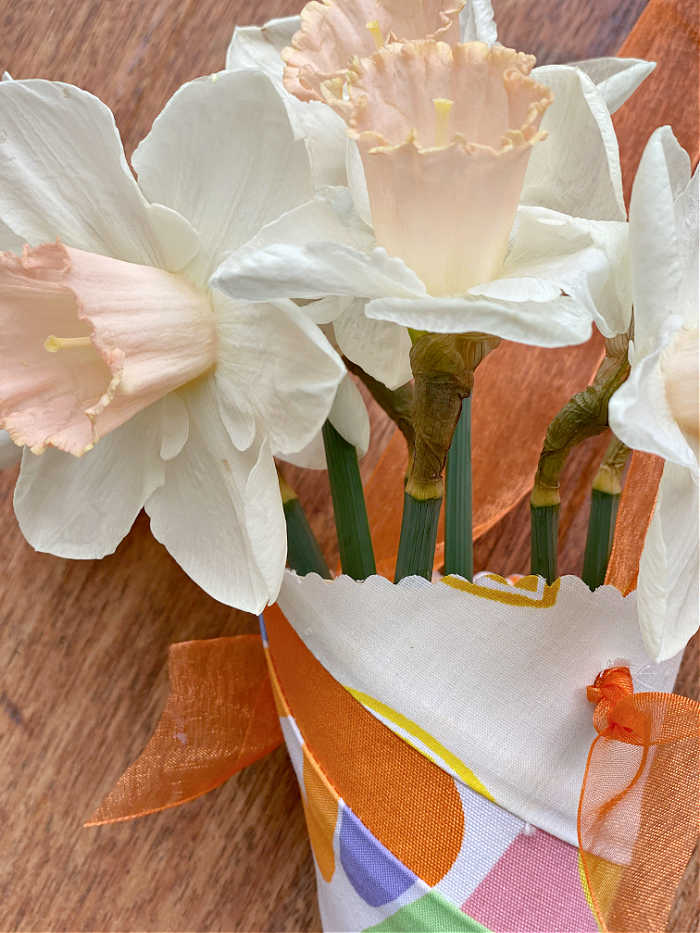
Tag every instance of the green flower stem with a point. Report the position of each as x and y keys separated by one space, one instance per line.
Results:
x=544 y=521
x=352 y=525
x=585 y=415
x=459 y=551
x=443 y=369
x=418 y=536
x=303 y=552
x=605 y=499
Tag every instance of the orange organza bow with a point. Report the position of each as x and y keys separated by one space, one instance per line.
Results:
x=639 y=810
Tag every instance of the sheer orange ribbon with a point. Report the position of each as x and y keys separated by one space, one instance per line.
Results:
x=639 y=811
x=220 y=717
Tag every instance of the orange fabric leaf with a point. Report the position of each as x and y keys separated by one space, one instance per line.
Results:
x=639 y=812
x=220 y=717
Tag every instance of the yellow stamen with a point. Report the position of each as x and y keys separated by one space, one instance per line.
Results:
x=377 y=34
x=443 y=108
x=53 y=344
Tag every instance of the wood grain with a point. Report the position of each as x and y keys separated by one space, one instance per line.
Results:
x=83 y=645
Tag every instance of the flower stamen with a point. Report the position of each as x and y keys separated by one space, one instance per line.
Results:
x=53 y=344
x=443 y=109
x=377 y=34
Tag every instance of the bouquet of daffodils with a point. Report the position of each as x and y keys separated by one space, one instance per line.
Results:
x=379 y=192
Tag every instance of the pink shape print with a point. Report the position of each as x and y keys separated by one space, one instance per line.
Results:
x=534 y=887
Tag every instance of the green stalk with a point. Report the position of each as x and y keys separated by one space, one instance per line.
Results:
x=601 y=528
x=544 y=537
x=459 y=551
x=418 y=536
x=443 y=368
x=607 y=487
x=352 y=525
x=583 y=416
x=303 y=552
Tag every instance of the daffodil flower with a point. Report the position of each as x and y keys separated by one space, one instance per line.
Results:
x=575 y=172
x=130 y=381
x=656 y=410
x=436 y=240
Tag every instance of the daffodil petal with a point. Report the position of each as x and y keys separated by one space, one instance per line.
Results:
x=261 y=46
x=580 y=135
x=322 y=130
x=83 y=507
x=9 y=452
x=477 y=22
x=9 y=241
x=667 y=591
x=557 y=322
x=616 y=78
x=661 y=255
x=382 y=349
x=226 y=133
x=586 y=259
x=64 y=175
x=219 y=512
x=350 y=419
x=277 y=360
x=640 y=415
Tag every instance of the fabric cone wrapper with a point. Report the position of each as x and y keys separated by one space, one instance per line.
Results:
x=471 y=756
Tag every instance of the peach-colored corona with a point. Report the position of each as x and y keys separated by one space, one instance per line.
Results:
x=88 y=341
x=334 y=32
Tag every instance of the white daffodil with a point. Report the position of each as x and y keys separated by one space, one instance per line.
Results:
x=448 y=249
x=574 y=172
x=130 y=381
x=656 y=410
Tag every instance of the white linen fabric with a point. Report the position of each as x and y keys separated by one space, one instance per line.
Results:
x=501 y=686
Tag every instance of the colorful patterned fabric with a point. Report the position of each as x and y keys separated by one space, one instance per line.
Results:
x=399 y=843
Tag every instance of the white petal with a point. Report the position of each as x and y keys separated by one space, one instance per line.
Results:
x=9 y=452
x=350 y=419
x=349 y=415
x=261 y=46
x=380 y=348
x=63 y=174
x=326 y=310
x=640 y=415
x=587 y=259
x=556 y=323
x=577 y=168
x=357 y=181
x=222 y=153
x=616 y=78
x=276 y=362
x=9 y=241
x=667 y=591
x=175 y=426
x=83 y=507
x=477 y=22
x=657 y=258
x=219 y=512
x=321 y=248
x=322 y=130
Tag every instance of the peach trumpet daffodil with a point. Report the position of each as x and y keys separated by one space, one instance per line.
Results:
x=431 y=234
x=656 y=410
x=128 y=378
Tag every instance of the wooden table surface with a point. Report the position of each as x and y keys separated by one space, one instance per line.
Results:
x=83 y=645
